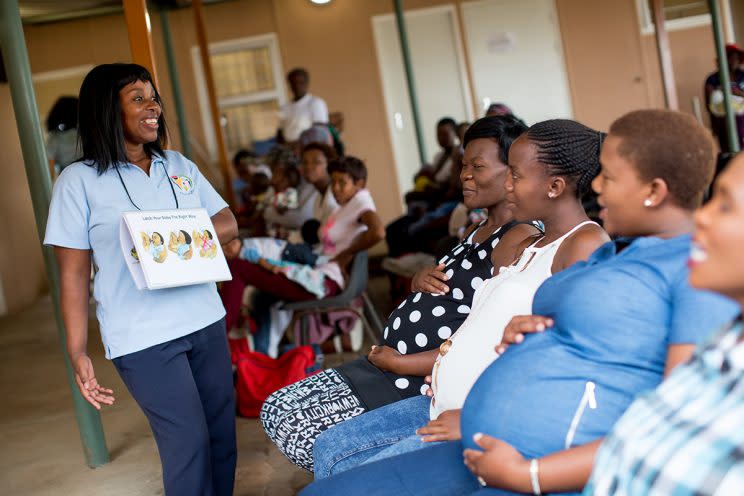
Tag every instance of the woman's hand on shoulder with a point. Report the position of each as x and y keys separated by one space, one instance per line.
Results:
x=384 y=358
x=430 y=279
x=579 y=246
x=519 y=326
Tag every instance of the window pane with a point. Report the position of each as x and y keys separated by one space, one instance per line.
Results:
x=245 y=124
x=679 y=9
x=242 y=72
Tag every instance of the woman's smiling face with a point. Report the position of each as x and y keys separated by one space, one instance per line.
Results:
x=483 y=174
x=140 y=113
x=715 y=261
x=621 y=192
x=527 y=182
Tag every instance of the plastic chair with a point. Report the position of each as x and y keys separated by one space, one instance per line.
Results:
x=355 y=287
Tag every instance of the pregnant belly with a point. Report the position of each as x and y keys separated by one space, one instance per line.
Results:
x=542 y=400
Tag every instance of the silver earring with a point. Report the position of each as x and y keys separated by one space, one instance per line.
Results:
x=647 y=202
x=551 y=195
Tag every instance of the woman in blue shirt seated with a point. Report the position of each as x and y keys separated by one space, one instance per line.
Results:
x=687 y=436
x=168 y=345
x=615 y=325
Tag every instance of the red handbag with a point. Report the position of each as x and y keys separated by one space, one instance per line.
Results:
x=259 y=375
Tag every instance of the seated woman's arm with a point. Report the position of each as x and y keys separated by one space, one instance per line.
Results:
x=502 y=466
x=390 y=360
x=374 y=234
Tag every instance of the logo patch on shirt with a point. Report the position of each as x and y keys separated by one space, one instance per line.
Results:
x=184 y=183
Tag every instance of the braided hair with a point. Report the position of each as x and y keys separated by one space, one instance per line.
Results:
x=569 y=149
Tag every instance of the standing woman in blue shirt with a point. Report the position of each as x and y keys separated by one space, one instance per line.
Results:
x=168 y=345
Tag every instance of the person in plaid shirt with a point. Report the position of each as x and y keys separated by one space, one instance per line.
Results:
x=687 y=437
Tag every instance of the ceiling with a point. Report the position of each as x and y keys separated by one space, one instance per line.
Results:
x=42 y=11
x=48 y=8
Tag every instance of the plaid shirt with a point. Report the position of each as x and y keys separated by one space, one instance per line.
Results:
x=687 y=436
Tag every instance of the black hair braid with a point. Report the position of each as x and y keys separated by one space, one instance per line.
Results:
x=569 y=149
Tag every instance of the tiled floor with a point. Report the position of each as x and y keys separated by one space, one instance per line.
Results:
x=40 y=448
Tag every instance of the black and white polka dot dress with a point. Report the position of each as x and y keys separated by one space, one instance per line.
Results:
x=423 y=320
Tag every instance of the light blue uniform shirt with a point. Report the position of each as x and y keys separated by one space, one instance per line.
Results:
x=85 y=214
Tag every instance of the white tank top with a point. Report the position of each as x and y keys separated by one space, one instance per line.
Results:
x=495 y=302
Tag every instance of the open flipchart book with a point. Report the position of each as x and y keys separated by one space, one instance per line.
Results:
x=171 y=248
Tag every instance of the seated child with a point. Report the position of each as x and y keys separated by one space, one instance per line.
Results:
x=283 y=195
x=258 y=191
x=284 y=185
x=353 y=227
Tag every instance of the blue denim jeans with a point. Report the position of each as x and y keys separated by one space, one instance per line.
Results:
x=357 y=440
x=437 y=470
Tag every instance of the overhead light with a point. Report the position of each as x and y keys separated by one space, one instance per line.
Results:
x=320 y=2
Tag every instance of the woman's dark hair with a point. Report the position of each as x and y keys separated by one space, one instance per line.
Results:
x=503 y=129
x=569 y=149
x=280 y=156
x=100 y=128
x=447 y=121
x=328 y=151
x=63 y=115
x=669 y=145
x=349 y=165
x=162 y=241
x=298 y=71
x=209 y=234
x=186 y=237
x=241 y=154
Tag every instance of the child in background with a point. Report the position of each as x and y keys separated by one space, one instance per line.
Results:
x=257 y=195
x=283 y=195
x=241 y=166
x=354 y=227
x=284 y=183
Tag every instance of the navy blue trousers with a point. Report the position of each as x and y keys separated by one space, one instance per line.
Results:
x=437 y=470
x=185 y=389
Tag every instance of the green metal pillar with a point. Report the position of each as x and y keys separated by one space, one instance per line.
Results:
x=405 y=50
x=37 y=171
x=170 y=56
x=725 y=76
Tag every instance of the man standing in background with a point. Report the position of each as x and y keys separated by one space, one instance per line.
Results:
x=304 y=111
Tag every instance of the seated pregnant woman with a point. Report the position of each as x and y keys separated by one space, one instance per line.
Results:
x=616 y=324
x=295 y=415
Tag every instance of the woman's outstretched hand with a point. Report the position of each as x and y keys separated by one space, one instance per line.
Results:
x=430 y=279
x=88 y=384
x=519 y=326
